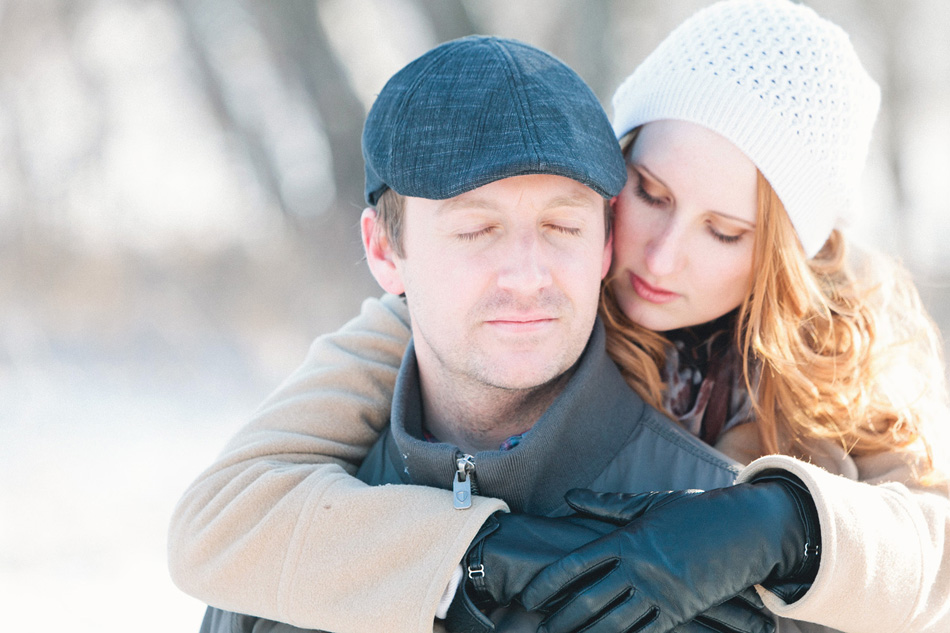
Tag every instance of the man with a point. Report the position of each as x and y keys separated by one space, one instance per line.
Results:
x=490 y=165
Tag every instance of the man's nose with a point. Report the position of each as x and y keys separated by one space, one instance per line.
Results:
x=524 y=267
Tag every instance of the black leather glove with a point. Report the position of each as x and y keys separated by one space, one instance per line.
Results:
x=684 y=555
x=511 y=549
x=742 y=614
x=506 y=554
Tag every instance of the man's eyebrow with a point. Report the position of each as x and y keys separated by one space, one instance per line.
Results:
x=569 y=201
x=489 y=205
x=466 y=203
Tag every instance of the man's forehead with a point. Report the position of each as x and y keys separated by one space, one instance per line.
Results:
x=538 y=190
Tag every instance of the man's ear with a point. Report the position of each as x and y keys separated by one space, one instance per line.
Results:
x=608 y=254
x=379 y=253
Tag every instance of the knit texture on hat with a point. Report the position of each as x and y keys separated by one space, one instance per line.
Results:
x=782 y=84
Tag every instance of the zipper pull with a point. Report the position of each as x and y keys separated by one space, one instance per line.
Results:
x=462 y=484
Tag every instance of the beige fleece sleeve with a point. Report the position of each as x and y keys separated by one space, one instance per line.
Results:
x=278 y=527
x=885 y=562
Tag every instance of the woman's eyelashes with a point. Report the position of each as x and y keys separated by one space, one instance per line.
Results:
x=723 y=237
x=661 y=201
x=642 y=193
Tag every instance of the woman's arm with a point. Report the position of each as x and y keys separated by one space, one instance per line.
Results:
x=884 y=548
x=279 y=528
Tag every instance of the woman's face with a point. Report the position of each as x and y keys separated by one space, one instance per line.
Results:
x=684 y=227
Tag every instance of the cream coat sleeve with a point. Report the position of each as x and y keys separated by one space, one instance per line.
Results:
x=278 y=527
x=885 y=562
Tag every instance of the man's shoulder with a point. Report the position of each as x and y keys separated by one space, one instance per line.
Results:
x=668 y=431
x=660 y=455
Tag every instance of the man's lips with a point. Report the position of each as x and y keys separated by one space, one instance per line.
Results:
x=651 y=293
x=521 y=323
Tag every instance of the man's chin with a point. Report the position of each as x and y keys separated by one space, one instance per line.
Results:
x=519 y=374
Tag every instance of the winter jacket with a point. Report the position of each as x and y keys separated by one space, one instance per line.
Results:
x=596 y=434
x=264 y=529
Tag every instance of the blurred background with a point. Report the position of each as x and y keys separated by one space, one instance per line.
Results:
x=180 y=183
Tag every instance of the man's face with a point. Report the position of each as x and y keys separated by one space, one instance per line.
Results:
x=502 y=282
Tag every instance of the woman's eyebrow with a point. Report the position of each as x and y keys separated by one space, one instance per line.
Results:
x=643 y=168
x=729 y=216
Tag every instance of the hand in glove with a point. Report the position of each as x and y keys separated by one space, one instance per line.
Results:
x=506 y=554
x=684 y=555
x=742 y=614
x=511 y=549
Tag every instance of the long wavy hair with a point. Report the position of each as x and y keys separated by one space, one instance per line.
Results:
x=836 y=347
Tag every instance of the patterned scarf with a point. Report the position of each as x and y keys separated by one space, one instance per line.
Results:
x=705 y=391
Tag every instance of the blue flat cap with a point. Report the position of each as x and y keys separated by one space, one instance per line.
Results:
x=479 y=109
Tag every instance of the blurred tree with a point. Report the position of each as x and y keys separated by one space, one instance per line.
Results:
x=269 y=89
x=296 y=34
x=580 y=37
x=212 y=84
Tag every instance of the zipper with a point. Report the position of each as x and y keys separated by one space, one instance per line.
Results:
x=463 y=484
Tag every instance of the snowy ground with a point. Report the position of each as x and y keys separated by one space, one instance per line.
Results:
x=92 y=459
x=121 y=378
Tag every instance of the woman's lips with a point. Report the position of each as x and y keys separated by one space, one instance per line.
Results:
x=651 y=293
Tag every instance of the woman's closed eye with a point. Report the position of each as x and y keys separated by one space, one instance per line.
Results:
x=726 y=237
x=644 y=195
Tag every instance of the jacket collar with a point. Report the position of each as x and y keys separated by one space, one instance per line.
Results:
x=569 y=446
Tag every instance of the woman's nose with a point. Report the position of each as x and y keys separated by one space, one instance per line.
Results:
x=664 y=251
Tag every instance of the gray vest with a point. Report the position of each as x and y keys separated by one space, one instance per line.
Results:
x=596 y=434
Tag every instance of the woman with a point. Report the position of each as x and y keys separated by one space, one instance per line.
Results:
x=734 y=304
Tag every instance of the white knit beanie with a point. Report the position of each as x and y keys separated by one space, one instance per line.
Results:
x=782 y=84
